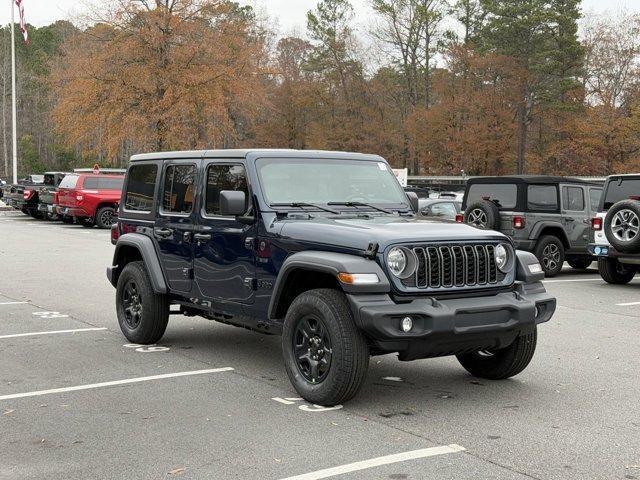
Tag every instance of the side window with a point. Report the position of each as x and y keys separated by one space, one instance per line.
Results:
x=90 y=183
x=542 y=198
x=179 y=189
x=595 y=194
x=224 y=177
x=141 y=186
x=573 y=199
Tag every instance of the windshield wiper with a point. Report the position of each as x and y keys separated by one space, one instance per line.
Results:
x=361 y=204
x=305 y=204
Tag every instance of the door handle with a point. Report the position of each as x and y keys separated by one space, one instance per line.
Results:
x=162 y=232
x=570 y=219
x=202 y=237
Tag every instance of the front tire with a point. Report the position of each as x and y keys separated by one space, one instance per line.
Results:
x=503 y=363
x=325 y=355
x=142 y=314
x=550 y=254
x=613 y=272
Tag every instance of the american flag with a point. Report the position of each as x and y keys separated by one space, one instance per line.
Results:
x=23 y=24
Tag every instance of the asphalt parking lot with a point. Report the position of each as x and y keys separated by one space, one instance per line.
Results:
x=213 y=401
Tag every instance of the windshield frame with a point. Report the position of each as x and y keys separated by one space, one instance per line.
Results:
x=404 y=206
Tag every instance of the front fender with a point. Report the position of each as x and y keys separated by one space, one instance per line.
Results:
x=144 y=245
x=333 y=264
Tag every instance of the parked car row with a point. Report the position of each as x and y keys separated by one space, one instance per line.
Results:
x=89 y=197
x=563 y=219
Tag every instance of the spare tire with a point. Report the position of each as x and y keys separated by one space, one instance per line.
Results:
x=622 y=226
x=483 y=214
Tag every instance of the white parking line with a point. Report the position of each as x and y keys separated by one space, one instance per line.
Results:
x=630 y=304
x=574 y=280
x=52 y=332
x=115 y=382
x=13 y=303
x=377 y=462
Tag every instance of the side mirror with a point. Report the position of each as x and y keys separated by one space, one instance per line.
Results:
x=232 y=203
x=413 y=200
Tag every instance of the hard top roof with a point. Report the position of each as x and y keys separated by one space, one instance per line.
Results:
x=536 y=179
x=255 y=153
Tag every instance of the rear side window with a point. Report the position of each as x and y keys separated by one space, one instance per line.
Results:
x=543 y=198
x=69 y=181
x=505 y=195
x=595 y=194
x=141 y=185
x=179 y=189
x=621 y=189
x=224 y=177
x=90 y=183
x=573 y=199
x=110 y=183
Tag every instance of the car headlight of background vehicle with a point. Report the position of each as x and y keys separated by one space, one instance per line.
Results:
x=401 y=262
x=504 y=258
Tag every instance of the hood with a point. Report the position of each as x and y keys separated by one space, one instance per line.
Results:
x=385 y=230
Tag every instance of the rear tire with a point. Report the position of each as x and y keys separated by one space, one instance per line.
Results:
x=550 y=254
x=580 y=263
x=329 y=318
x=142 y=314
x=503 y=363
x=613 y=272
x=106 y=217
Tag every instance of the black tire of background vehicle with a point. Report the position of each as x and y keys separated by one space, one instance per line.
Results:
x=105 y=217
x=155 y=307
x=613 y=272
x=87 y=222
x=580 y=263
x=550 y=254
x=503 y=363
x=632 y=245
x=51 y=217
x=35 y=214
x=491 y=212
x=350 y=352
x=67 y=220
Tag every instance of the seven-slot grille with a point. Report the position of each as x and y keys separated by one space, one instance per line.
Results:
x=453 y=266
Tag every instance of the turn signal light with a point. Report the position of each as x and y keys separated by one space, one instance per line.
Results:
x=27 y=194
x=518 y=223
x=596 y=224
x=460 y=218
x=358 y=278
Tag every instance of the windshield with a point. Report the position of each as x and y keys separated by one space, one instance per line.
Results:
x=620 y=189
x=324 y=181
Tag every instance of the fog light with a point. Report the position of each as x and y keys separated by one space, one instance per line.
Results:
x=407 y=324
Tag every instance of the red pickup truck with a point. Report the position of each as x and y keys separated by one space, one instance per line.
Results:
x=92 y=199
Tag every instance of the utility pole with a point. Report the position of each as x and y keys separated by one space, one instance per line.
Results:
x=14 y=150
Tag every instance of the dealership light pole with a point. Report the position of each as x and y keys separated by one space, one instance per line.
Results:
x=14 y=138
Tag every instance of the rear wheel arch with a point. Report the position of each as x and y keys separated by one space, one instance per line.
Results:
x=554 y=230
x=137 y=247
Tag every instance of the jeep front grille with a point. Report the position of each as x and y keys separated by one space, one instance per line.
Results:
x=451 y=266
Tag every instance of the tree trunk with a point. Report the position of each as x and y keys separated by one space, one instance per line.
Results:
x=522 y=137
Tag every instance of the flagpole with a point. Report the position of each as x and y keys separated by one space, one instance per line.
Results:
x=14 y=150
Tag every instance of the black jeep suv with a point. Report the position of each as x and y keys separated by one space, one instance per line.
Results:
x=324 y=249
x=549 y=216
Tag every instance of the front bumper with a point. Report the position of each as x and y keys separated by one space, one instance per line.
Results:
x=452 y=326
x=524 y=244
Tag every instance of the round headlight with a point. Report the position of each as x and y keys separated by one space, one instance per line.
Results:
x=397 y=261
x=502 y=258
x=401 y=262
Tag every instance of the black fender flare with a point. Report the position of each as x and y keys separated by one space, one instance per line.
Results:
x=333 y=264
x=145 y=246
x=538 y=227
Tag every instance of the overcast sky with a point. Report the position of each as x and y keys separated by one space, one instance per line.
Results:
x=290 y=14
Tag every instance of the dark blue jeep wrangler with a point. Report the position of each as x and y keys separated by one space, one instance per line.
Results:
x=324 y=249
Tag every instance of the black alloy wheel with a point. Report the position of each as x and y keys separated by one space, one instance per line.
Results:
x=312 y=348
x=132 y=303
x=106 y=217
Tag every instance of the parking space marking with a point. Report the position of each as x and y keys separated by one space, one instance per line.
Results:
x=378 y=462
x=630 y=304
x=115 y=382
x=574 y=280
x=52 y=332
x=13 y=303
